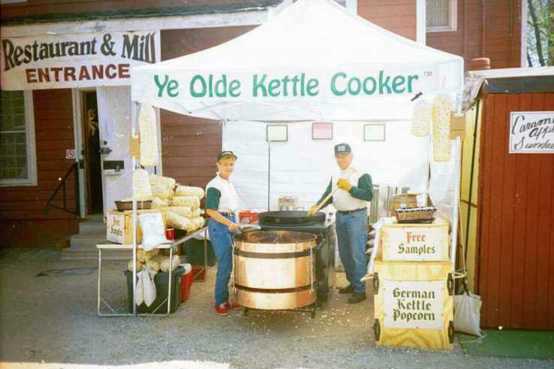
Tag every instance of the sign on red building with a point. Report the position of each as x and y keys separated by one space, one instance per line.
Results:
x=75 y=60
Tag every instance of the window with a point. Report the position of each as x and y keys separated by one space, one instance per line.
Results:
x=17 y=139
x=441 y=15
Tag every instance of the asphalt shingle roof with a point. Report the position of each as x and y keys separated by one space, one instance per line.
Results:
x=243 y=6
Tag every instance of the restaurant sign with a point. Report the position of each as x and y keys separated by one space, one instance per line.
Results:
x=532 y=132
x=411 y=304
x=75 y=60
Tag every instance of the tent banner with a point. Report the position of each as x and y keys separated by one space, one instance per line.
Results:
x=75 y=60
x=173 y=85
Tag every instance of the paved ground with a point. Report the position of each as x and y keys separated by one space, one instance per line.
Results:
x=52 y=319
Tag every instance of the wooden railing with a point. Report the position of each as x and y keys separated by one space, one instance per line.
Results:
x=62 y=186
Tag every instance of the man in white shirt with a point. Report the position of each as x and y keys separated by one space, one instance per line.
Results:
x=355 y=189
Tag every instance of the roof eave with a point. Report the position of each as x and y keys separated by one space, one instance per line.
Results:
x=252 y=6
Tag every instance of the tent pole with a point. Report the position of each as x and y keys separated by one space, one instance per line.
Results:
x=268 y=174
x=470 y=199
x=456 y=202
x=134 y=210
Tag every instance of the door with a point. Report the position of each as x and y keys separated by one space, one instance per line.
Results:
x=91 y=153
x=115 y=117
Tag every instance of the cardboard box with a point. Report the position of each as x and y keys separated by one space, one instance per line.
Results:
x=119 y=226
x=414 y=305
x=415 y=242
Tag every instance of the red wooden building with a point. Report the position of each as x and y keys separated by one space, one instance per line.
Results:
x=510 y=200
x=52 y=129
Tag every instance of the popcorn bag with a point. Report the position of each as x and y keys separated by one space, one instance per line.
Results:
x=149 y=152
x=422 y=119
x=442 y=109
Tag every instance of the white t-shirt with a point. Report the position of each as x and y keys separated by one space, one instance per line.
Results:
x=342 y=200
x=225 y=196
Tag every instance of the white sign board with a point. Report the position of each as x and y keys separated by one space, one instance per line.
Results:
x=416 y=243
x=414 y=304
x=115 y=228
x=75 y=60
x=532 y=132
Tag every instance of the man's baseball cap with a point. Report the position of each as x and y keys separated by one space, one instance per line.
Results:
x=226 y=154
x=343 y=148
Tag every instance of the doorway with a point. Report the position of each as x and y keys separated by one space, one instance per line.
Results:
x=91 y=154
x=102 y=119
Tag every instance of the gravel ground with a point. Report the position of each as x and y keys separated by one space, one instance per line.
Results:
x=52 y=319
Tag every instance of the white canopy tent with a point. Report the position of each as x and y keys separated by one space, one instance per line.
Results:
x=312 y=61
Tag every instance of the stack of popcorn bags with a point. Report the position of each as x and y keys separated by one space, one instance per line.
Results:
x=179 y=205
x=154 y=260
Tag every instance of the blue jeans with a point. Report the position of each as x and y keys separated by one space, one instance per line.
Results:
x=352 y=229
x=222 y=242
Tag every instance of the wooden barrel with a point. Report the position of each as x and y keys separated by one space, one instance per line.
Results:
x=275 y=270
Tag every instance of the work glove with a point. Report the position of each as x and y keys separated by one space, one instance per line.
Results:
x=234 y=227
x=344 y=184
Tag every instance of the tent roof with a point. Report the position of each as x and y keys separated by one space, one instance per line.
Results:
x=313 y=33
x=311 y=36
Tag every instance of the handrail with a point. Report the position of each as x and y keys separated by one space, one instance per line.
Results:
x=62 y=186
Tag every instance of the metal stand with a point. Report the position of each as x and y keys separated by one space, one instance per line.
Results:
x=172 y=246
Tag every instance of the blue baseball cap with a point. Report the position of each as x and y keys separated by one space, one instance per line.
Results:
x=342 y=148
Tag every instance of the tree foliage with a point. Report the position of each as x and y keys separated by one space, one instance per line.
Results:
x=540 y=32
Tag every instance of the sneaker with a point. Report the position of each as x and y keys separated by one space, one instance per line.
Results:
x=347 y=289
x=232 y=305
x=356 y=298
x=222 y=309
